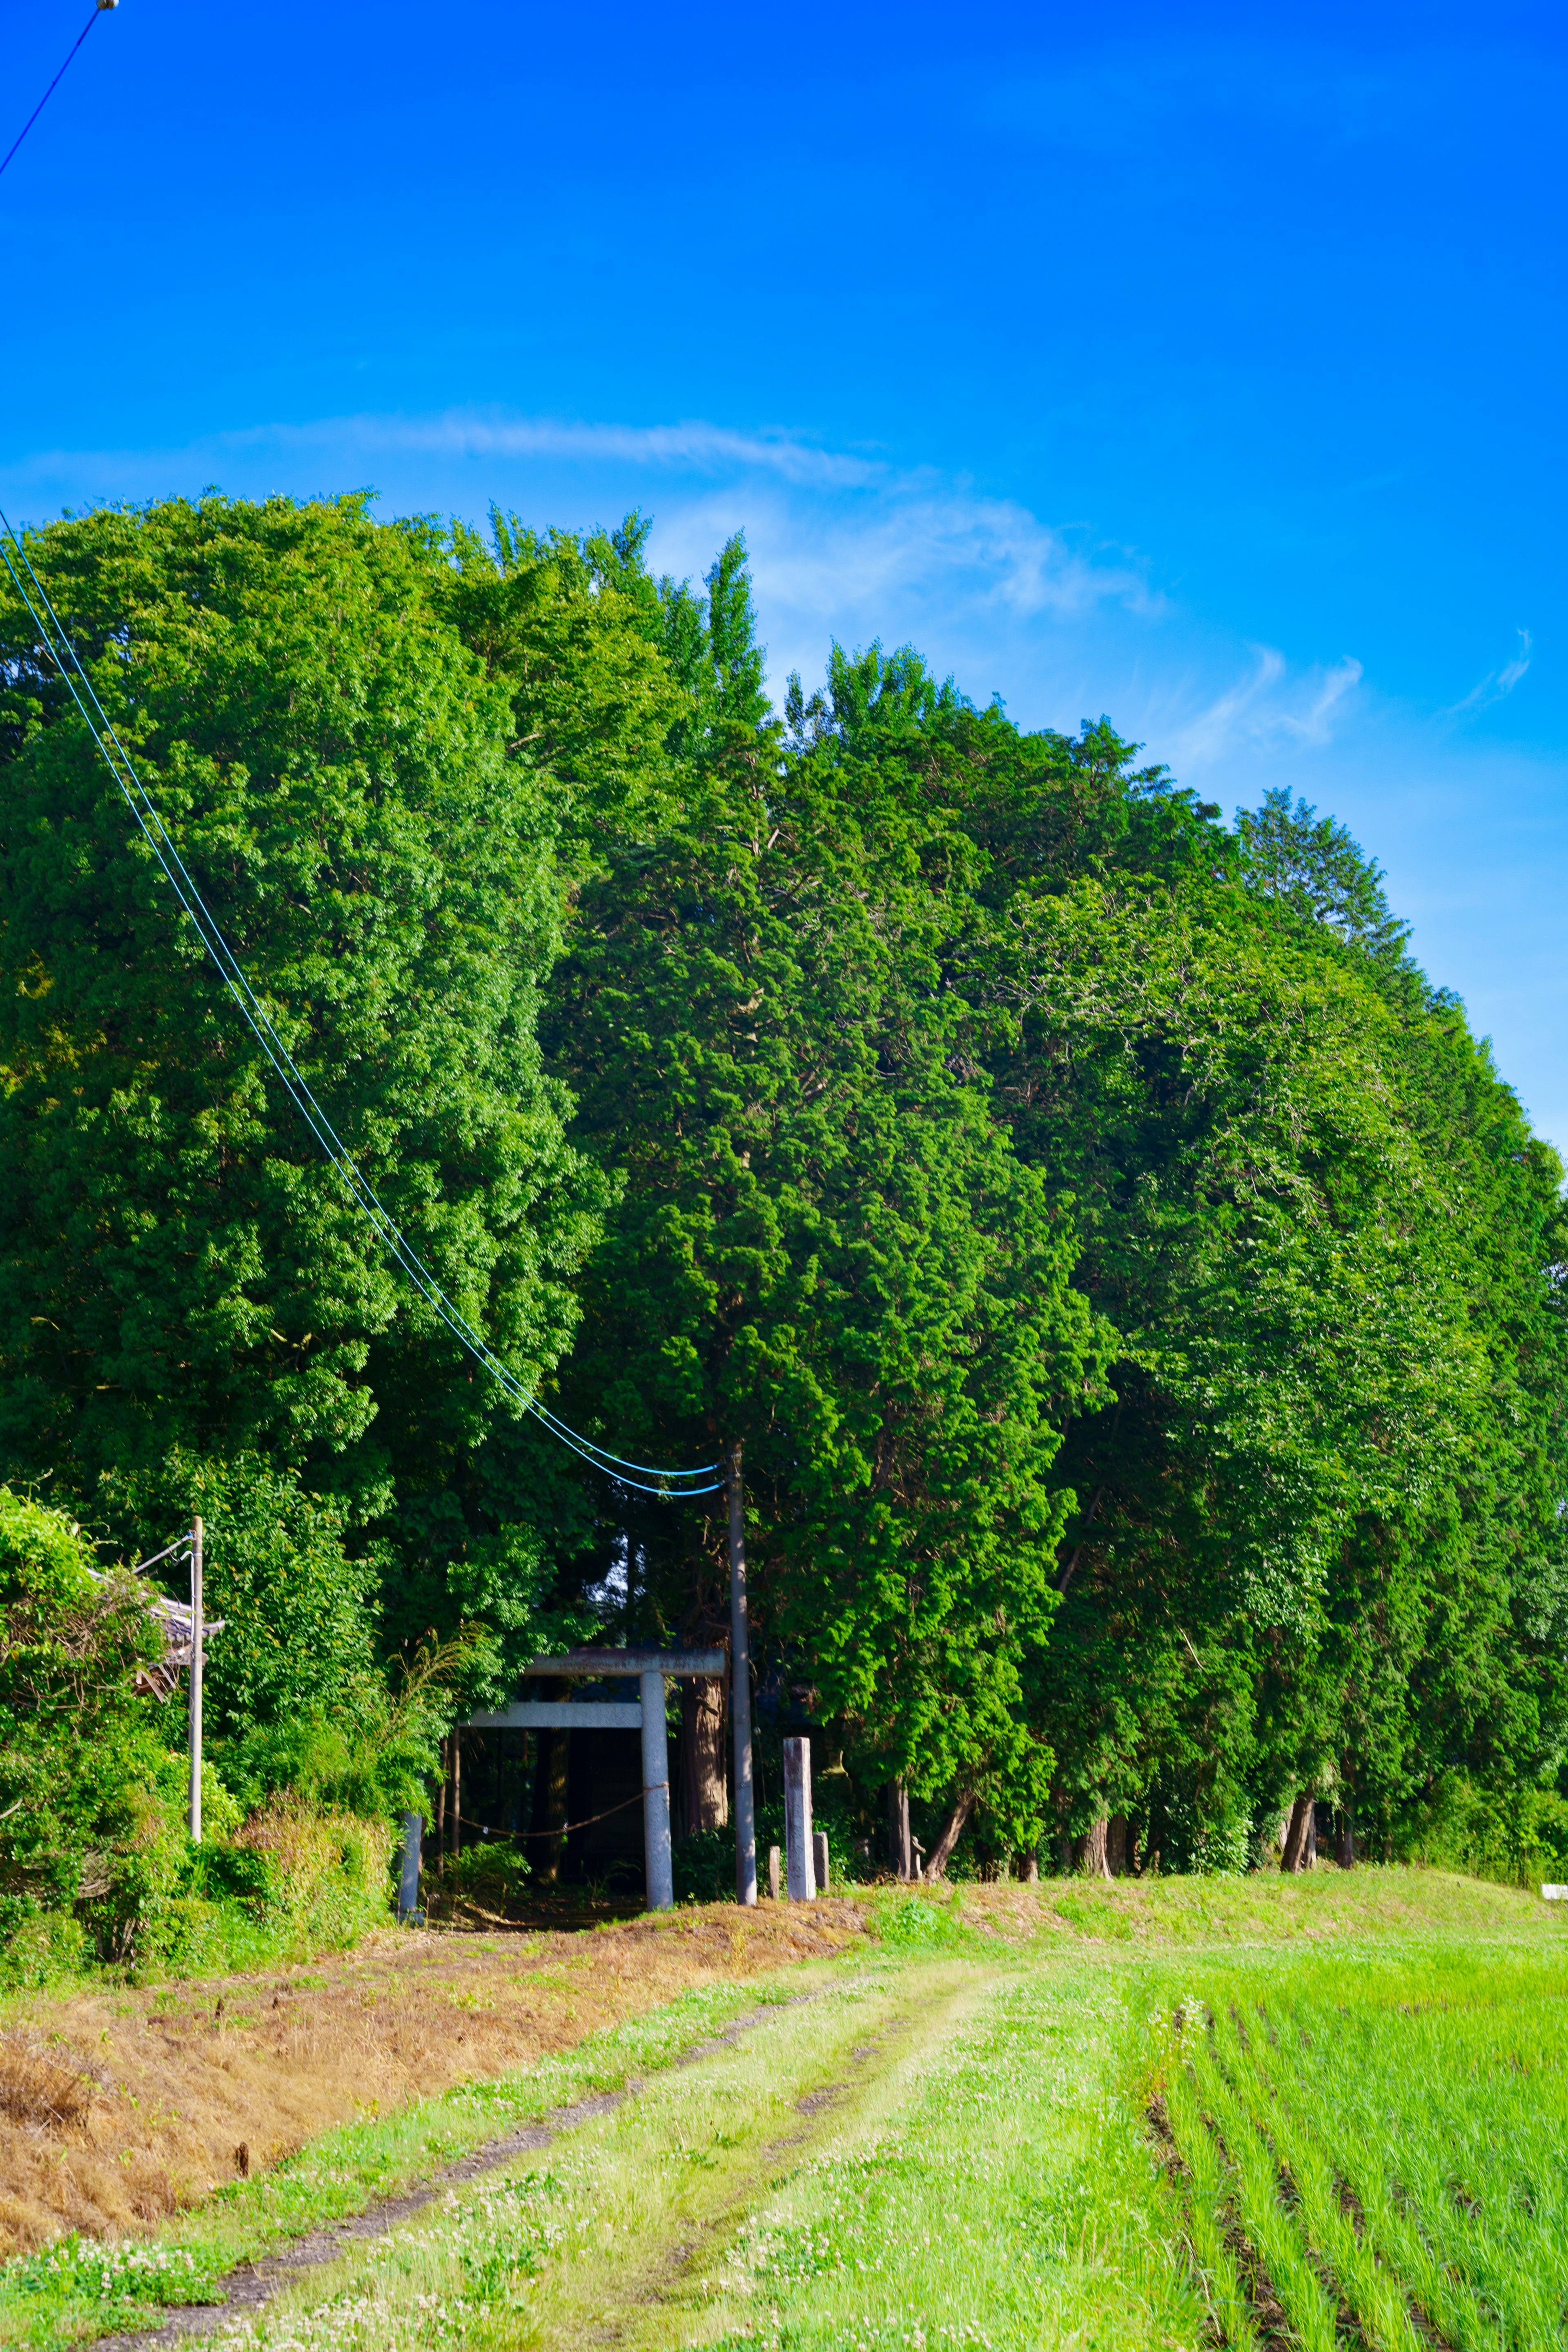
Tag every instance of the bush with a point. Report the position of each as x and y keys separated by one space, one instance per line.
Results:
x=1516 y=1837
x=488 y=1876
x=95 y=1859
x=85 y=1818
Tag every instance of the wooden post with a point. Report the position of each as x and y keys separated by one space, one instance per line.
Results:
x=656 y=1793
x=799 y=1859
x=819 y=1855
x=741 y=1691
x=195 y=1708
x=774 y=1871
x=408 y=1876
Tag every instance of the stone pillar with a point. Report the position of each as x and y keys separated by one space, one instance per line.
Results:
x=799 y=1859
x=656 y=1793
x=408 y=1874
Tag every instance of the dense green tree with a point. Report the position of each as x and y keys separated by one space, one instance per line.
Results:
x=1137 y=1296
x=1309 y=1525
x=80 y=1757
x=180 y=1272
x=823 y=1247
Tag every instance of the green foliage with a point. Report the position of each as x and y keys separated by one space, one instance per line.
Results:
x=83 y=1812
x=485 y=1877
x=1137 y=1296
x=180 y=1272
x=1518 y=1837
x=823 y=1247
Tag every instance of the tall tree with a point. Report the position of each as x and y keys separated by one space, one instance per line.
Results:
x=180 y=1272
x=823 y=1245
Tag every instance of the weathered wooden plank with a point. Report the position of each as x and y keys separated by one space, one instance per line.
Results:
x=562 y=1714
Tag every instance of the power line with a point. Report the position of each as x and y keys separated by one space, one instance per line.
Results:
x=43 y=101
x=57 y=643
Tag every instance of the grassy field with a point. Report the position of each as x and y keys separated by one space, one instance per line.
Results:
x=1393 y=2149
x=1267 y=2114
x=122 y=2105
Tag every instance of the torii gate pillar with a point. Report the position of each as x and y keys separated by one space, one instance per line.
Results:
x=644 y=1714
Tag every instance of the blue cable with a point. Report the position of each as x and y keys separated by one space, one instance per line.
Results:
x=162 y=844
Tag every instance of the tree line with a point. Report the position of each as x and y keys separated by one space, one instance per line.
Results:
x=1137 y=1294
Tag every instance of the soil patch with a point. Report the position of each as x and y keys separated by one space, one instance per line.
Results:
x=121 y=2107
x=249 y=2286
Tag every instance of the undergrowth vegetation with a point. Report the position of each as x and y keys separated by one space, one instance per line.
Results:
x=96 y=1864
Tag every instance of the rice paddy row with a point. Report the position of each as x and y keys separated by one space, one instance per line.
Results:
x=1383 y=2156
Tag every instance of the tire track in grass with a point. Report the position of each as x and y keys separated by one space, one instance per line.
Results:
x=591 y=2248
x=998 y=2192
x=250 y=2286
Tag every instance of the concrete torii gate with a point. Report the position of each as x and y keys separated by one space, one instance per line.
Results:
x=645 y=1713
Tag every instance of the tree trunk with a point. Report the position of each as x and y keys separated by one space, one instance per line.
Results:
x=1116 y=1845
x=1088 y=1852
x=1346 y=1854
x=1027 y=1868
x=957 y=1822
x=899 y=1851
x=1300 y=1845
x=702 y=1737
x=441 y=1813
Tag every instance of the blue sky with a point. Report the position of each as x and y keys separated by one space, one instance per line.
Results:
x=1199 y=366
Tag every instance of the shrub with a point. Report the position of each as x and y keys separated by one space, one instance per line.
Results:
x=1515 y=1836
x=488 y=1876
x=87 y=1822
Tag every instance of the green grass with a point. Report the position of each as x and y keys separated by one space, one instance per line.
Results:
x=80 y=2289
x=1391 y=2139
x=1348 y=2132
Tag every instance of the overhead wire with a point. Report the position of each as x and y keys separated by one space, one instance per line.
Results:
x=43 y=101
x=181 y=1544
x=58 y=645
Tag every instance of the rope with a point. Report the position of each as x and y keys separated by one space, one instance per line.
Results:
x=175 y=872
x=51 y=91
x=565 y=1831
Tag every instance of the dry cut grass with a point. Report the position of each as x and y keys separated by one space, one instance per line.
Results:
x=119 y=2107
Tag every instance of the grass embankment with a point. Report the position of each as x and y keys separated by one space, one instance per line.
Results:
x=964 y=2136
x=121 y=2106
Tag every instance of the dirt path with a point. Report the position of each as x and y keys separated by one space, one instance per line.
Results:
x=655 y=2185
x=251 y=2286
x=119 y=2108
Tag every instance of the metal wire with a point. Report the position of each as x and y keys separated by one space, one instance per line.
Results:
x=51 y=91
x=162 y=844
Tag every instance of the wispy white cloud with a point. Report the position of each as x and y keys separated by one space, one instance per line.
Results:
x=455 y=434
x=892 y=565
x=843 y=536
x=1270 y=706
x=1496 y=683
x=692 y=447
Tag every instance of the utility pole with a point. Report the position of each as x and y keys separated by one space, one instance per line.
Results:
x=740 y=1690
x=195 y=1709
